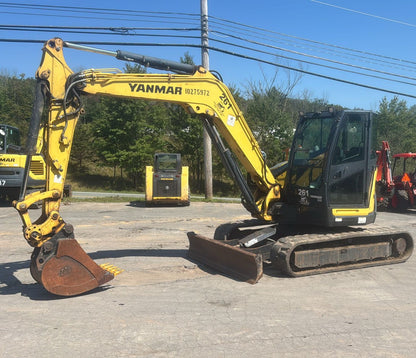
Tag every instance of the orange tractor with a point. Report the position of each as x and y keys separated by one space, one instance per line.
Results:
x=405 y=181
x=396 y=185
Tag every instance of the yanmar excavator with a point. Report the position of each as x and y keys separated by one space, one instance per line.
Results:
x=313 y=205
x=12 y=164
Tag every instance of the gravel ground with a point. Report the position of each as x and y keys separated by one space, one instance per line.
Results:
x=164 y=305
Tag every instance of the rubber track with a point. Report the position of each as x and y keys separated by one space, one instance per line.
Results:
x=284 y=247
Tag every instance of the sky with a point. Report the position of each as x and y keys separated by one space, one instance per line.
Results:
x=326 y=46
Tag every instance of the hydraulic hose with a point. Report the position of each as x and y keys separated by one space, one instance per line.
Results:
x=35 y=119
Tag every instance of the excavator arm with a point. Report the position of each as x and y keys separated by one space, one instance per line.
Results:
x=58 y=262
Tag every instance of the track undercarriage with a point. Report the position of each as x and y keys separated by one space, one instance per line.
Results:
x=298 y=252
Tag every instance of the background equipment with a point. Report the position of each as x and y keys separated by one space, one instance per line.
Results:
x=167 y=181
x=12 y=164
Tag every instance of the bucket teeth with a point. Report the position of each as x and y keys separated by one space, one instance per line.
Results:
x=112 y=269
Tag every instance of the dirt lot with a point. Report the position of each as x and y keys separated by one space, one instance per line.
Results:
x=164 y=305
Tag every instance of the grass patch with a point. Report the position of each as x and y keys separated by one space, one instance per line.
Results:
x=127 y=199
x=103 y=199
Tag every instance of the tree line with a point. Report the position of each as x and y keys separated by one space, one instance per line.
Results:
x=122 y=135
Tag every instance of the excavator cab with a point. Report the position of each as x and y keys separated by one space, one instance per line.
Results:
x=331 y=170
x=9 y=139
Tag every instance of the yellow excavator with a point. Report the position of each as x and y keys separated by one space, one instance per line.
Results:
x=308 y=214
x=13 y=185
x=12 y=164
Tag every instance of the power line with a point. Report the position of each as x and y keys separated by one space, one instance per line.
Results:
x=157 y=15
x=312 y=73
x=364 y=13
x=92 y=9
x=253 y=29
x=315 y=57
x=162 y=14
x=247 y=41
x=110 y=31
x=166 y=14
x=399 y=64
x=319 y=64
x=101 y=43
x=112 y=28
x=127 y=31
x=95 y=18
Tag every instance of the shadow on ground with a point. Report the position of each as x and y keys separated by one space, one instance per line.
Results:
x=11 y=285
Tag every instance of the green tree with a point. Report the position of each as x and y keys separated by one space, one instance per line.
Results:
x=16 y=100
x=270 y=122
x=127 y=132
x=82 y=150
x=396 y=123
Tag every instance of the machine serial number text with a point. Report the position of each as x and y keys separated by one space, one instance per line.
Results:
x=196 y=92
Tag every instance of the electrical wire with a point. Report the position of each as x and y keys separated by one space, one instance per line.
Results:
x=92 y=9
x=365 y=13
x=311 y=73
x=157 y=15
x=96 y=18
x=162 y=15
x=255 y=29
x=311 y=56
x=244 y=38
x=401 y=64
x=112 y=28
x=112 y=32
x=231 y=53
x=125 y=30
x=165 y=14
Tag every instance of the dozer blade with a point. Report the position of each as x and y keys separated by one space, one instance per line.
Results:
x=230 y=260
x=65 y=269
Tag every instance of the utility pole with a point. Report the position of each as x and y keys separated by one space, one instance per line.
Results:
x=205 y=64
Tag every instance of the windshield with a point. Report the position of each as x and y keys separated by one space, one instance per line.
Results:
x=311 y=142
x=2 y=139
x=9 y=139
x=167 y=162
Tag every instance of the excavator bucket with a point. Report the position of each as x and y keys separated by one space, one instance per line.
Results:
x=65 y=269
x=230 y=260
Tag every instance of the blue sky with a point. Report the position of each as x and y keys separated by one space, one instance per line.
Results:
x=373 y=37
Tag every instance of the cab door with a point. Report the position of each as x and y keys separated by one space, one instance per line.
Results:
x=349 y=172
